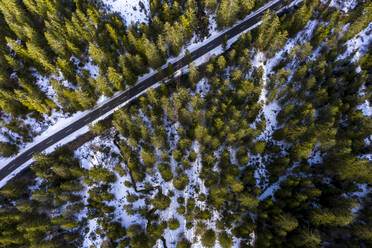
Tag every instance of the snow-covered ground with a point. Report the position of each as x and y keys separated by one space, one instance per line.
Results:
x=271 y=109
x=91 y=154
x=358 y=44
x=135 y=11
x=344 y=5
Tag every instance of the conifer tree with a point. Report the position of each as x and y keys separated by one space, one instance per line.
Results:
x=115 y=78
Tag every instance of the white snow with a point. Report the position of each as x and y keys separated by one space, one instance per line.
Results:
x=271 y=109
x=344 y=5
x=130 y=10
x=90 y=155
x=358 y=44
x=366 y=108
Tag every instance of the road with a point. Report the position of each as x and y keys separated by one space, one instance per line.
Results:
x=130 y=93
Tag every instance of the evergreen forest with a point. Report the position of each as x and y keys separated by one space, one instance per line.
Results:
x=264 y=143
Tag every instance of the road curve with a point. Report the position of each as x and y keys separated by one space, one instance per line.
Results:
x=19 y=160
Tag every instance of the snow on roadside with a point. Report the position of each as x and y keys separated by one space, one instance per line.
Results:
x=62 y=123
x=64 y=141
x=131 y=10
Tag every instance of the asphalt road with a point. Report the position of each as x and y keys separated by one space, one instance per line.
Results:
x=130 y=93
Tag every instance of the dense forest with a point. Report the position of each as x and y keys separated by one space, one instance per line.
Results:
x=265 y=145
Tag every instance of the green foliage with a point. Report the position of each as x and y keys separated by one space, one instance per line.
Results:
x=184 y=243
x=161 y=201
x=248 y=200
x=225 y=240
x=148 y=158
x=181 y=181
x=165 y=171
x=100 y=174
x=7 y=149
x=286 y=222
x=173 y=224
x=214 y=131
x=208 y=239
x=269 y=37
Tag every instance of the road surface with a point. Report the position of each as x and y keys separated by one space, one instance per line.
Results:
x=130 y=93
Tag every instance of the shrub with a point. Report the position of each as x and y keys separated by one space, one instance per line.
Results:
x=208 y=239
x=173 y=224
x=165 y=171
x=184 y=243
x=225 y=240
x=181 y=182
x=161 y=201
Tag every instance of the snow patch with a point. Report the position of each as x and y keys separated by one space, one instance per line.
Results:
x=358 y=44
x=344 y=5
x=131 y=10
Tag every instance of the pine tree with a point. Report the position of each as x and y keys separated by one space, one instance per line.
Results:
x=364 y=18
x=68 y=69
x=10 y=104
x=269 y=35
x=103 y=86
x=248 y=200
x=227 y=13
x=84 y=99
x=40 y=56
x=115 y=78
x=7 y=149
x=211 y=5
x=174 y=37
x=152 y=54
x=148 y=158
x=161 y=201
x=208 y=239
x=286 y=222
x=181 y=181
x=98 y=56
x=247 y=5
x=225 y=240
